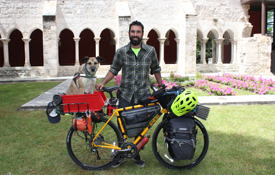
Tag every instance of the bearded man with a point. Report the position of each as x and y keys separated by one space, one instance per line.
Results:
x=136 y=60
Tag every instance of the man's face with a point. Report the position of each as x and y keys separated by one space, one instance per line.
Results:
x=135 y=35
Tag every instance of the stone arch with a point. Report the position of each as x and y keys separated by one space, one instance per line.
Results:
x=211 y=46
x=87 y=44
x=66 y=48
x=153 y=41
x=16 y=49
x=199 y=33
x=146 y=33
x=11 y=30
x=213 y=33
x=175 y=32
x=36 y=48
x=32 y=29
x=112 y=32
x=170 y=47
x=107 y=46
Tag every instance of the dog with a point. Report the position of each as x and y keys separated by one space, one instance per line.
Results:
x=84 y=84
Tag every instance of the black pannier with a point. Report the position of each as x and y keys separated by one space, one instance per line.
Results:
x=180 y=134
x=136 y=119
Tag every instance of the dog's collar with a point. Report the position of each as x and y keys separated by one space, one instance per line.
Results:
x=88 y=74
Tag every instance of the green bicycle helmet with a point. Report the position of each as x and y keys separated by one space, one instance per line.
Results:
x=184 y=103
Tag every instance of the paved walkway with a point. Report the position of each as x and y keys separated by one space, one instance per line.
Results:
x=40 y=102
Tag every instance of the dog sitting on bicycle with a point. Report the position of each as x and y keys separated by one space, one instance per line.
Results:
x=84 y=80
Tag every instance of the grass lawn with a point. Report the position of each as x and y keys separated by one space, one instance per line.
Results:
x=241 y=140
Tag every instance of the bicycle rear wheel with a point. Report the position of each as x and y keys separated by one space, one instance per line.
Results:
x=160 y=148
x=94 y=158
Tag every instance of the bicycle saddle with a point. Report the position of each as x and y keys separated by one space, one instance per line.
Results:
x=110 y=89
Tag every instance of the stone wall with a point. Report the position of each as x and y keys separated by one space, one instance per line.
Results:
x=216 y=68
x=255 y=55
x=18 y=14
x=190 y=44
x=221 y=16
x=186 y=18
x=22 y=72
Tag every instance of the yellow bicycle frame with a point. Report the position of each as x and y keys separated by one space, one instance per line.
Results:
x=116 y=112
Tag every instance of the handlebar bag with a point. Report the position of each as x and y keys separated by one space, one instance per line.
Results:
x=145 y=100
x=180 y=136
x=136 y=119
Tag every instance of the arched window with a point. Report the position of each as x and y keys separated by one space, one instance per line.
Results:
x=36 y=48
x=66 y=46
x=153 y=41
x=107 y=46
x=86 y=44
x=226 y=48
x=16 y=49
x=170 y=48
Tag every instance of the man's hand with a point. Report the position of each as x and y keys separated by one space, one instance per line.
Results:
x=99 y=86
x=108 y=77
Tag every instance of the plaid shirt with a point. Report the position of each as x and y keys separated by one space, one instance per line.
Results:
x=135 y=70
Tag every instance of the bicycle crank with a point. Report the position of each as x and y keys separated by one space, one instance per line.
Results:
x=129 y=150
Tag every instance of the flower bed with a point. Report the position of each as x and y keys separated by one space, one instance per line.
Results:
x=213 y=88
x=244 y=82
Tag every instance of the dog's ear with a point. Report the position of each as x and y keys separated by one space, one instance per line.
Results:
x=85 y=59
x=100 y=59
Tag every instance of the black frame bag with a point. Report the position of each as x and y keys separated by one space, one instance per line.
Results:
x=180 y=134
x=136 y=119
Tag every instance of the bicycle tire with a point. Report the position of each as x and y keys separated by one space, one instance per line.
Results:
x=162 y=155
x=90 y=158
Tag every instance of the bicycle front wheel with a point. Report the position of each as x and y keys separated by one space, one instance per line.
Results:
x=94 y=158
x=160 y=148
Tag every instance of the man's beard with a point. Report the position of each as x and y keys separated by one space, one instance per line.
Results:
x=135 y=42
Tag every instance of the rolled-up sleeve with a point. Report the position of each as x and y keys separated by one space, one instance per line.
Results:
x=116 y=66
x=155 y=68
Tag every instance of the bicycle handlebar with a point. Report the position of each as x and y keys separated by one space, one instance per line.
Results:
x=156 y=92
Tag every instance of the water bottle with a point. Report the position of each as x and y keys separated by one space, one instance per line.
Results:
x=142 y=143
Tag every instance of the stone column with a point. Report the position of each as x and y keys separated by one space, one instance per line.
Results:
x=76 y=40
x=178 y=42
x=6 y=51
x=50 y=45
x=27 y=51
x=144 y=40
x=203 y=50
x=161 y=51
x=233 y=50
x=124 y=22
x=219 y=50
x=214 y=54
x=97 y=46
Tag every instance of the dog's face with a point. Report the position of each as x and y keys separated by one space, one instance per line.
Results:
x=92 y=63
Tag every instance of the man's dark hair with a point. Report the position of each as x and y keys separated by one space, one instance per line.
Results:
x=136 y=23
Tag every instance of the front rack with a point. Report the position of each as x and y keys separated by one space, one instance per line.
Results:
x=75 y=107
x=82 y=102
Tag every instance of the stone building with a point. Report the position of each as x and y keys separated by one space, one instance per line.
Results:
x=49 y=37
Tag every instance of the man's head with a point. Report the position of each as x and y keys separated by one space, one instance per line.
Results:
x=136 y=30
